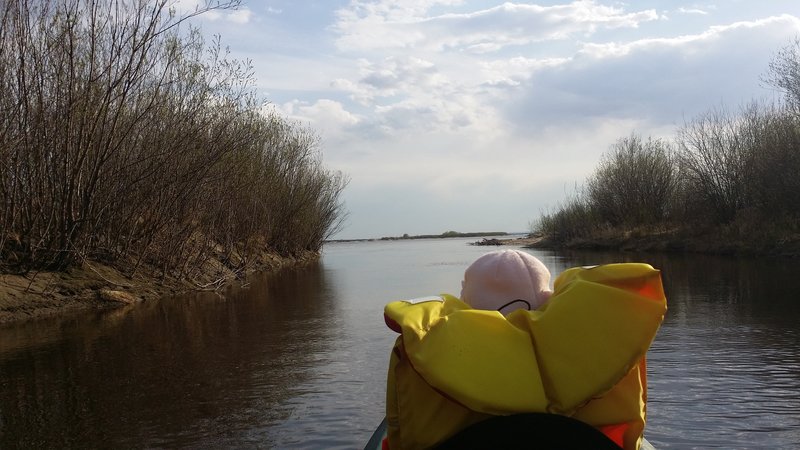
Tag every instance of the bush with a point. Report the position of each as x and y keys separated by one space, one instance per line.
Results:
x=774 y=184
x=715 y=159
x=124 y=139
x=574 y=218
x=634 y=183
x=728 y=172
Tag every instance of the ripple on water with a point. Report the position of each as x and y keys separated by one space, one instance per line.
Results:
x=726 y=387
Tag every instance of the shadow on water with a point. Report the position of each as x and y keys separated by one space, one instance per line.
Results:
x=743 y=289
x=188 y=370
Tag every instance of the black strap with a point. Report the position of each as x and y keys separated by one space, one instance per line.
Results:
x=515 y=301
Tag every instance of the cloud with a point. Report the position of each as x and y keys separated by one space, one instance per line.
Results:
x=417 y=106
x=322 y=111
x=392 y=74
x=410 y=93
x=240 y=16
x=646 y=83
x=376 y=25
x=656 y=80
x=450 y=83
x=481 y=115
x=327 y=117
x=511 y=72
x=692 y=11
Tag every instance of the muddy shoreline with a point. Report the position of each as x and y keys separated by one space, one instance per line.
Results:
x=95 y=285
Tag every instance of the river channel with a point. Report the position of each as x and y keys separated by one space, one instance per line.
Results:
x=298 y=359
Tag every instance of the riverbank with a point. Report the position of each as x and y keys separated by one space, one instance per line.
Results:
x=709 y=241
x=95 y=285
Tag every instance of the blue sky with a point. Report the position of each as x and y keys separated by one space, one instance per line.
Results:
x=480 y=115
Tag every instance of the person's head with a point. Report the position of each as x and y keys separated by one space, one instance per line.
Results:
x=498 y=280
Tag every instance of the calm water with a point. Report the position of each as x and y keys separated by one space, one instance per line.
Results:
x=298 y=360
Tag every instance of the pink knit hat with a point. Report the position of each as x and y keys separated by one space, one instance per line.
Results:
x=501 y=277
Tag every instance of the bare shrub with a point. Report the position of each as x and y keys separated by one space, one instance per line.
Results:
x=715 y=157
x=775 y=145
x=572 y=219
x=743 y=162
x=634 y=182
x=126 y=139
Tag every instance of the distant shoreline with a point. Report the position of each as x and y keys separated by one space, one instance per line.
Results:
x=711 y=241
x=445 y=235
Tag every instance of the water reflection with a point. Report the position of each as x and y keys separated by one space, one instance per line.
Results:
x=191 y=370
x=299 y=359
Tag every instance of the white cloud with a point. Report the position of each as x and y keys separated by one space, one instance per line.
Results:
x=391 y=74
x=327 y=117
x=241 y=15
x=365 y=26
x=655 y=80
x=322 y=111
x=512 y=71
x=692 y=11
x=728 y=37
x=449 y=85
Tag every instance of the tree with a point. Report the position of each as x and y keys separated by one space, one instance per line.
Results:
x=784 y=74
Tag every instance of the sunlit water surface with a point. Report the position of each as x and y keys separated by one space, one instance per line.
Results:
x=298 y=359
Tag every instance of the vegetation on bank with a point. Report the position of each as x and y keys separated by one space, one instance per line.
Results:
x=727 y=182
x=127 y=139
x=446 y=234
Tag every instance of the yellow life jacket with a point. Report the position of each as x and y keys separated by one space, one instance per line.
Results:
x=580 y=355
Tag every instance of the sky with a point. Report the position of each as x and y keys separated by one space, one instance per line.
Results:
x=482 y=115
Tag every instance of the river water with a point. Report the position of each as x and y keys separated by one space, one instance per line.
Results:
x=298 y=359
